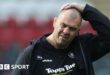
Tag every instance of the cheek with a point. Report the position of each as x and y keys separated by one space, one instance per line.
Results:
x=74 y=33
x=59 y=29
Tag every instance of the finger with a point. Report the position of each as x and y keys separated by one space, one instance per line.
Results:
x=64 y=6
x=69 y=5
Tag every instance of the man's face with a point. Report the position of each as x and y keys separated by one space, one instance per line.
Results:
x=66 y=27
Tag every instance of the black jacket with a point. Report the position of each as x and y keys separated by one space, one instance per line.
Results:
x=88 y=47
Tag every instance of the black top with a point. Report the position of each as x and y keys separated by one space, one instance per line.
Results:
x=54 y=61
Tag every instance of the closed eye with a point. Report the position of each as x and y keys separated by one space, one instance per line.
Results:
x=73 y=28
x=70 y=28
x=63 y=25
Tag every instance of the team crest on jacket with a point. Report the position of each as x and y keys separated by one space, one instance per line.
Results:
x=71 y=55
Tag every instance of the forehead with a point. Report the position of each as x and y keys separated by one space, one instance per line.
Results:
x=70 y=13
x=70 y=17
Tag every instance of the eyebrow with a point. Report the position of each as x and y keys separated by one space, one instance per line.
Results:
x=68 y=25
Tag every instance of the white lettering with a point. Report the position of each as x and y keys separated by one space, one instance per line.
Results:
x=49 y=70
x=19 y=66
x=68 y=67
x=59 y=70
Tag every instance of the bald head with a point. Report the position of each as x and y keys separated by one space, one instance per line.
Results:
x=70 y=14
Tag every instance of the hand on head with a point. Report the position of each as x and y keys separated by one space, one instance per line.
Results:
x=77 y=6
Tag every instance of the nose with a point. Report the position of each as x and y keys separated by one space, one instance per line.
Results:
x=66 y=30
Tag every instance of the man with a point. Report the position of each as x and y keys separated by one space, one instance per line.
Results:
x=64 y=51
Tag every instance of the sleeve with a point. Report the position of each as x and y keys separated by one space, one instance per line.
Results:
x=100 y=43
x=23 y=59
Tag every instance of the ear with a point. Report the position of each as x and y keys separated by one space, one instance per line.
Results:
x=54 y=21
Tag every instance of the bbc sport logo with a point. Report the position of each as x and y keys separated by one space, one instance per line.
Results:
x=6 y=67
x=9 y=67
x=1 y=66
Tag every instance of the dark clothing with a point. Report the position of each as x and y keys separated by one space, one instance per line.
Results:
x=77 y=59
x=54 y=61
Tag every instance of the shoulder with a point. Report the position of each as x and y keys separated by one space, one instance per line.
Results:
x=87 y=37
x=25 y=55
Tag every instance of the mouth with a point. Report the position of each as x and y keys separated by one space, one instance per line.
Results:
x=63 y=37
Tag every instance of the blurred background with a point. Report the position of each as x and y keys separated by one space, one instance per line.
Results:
x=24 y=20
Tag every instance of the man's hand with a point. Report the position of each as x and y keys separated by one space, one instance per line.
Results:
x=73 y=5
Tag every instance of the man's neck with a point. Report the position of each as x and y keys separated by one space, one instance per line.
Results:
x=54 y=44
